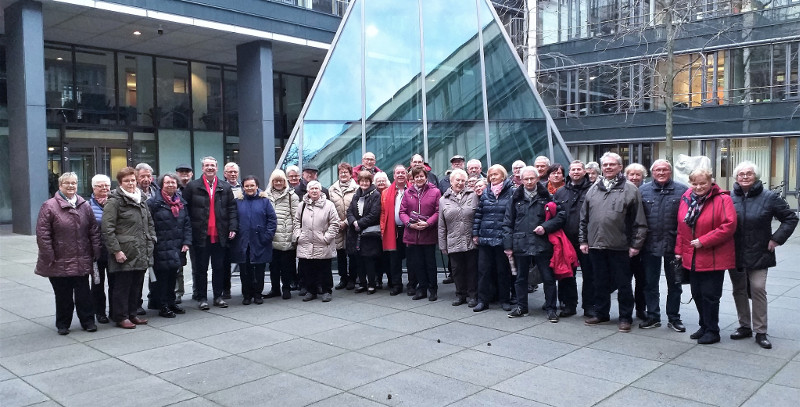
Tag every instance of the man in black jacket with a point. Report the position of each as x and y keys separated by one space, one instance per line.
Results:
x=215 y=222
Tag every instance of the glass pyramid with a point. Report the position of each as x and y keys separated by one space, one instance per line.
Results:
x=436 y=78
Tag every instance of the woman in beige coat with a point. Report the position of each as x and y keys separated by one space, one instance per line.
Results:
x=456 y=213
x=282 y=268
x=341 y=194
x=318 y=224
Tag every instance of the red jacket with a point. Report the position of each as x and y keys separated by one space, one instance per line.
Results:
x=715 y=228
x=388 y=227
x=564 y=258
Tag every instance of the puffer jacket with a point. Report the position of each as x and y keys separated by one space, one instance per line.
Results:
x=197 y=199
x=613 y=219
x=341 y=198
x=661 y=203
x=98 y=215
x=420 y=204
x=455 y=220
x=318 y=224
x=715 y=229
x=128 y=227
x=371 y=214
x=754 y=212
x=570 y=199
x=171 y=233
x=524 y=215
x=285 y=204
x=491 y=212
x=68 y=238
x=257 y=225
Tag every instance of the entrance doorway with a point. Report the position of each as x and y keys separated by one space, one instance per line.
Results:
x=88 y=160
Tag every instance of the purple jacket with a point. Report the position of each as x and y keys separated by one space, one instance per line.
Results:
x=68 y=238
x=421 y=205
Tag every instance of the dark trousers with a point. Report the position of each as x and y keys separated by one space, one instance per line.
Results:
x=164 y=285
x=422 y=263
x=252 y=277
x=347 y=266
x=126 y=290
x=494 y=274
x=282 y=269
x=640 y=280
x=587 y=286
x=542 y=262
x=317 y=275
x=226 y=272
x=707 y=290
x=396 y=261
x=72 y=293
x=366 y=270
x=567 y=291
x=612 y=266
x=216 y=253
x=464 y=270
x=383 y=267
x=652 y=270
x=99 y=290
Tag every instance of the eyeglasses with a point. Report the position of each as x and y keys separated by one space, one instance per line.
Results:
x=746 y=174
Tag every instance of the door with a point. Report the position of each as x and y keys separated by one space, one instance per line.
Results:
x=88 y=160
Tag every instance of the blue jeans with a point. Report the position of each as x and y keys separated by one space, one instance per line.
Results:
x=542 y=262
x=612 y=266
x=652 y=270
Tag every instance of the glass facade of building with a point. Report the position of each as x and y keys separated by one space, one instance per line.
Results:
x=422 y=77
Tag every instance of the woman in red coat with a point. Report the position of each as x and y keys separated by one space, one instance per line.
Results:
x=706 y=225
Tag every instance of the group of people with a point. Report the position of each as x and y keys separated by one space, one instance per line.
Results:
x=496 y=230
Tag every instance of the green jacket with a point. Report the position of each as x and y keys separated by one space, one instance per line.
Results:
x=128 y=227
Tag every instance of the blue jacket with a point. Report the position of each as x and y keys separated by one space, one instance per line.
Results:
x=488 y=223
x=257 y=225
x=171 y=233
x=661 y=203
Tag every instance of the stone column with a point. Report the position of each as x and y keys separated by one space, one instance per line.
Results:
x=256 y=110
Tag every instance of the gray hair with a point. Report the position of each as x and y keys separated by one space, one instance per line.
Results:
x=542 y=158
x=747 y=164
x=165 y=175
x=611 y=155
x=458 y=171
x=474 y=161
x=529 y=168
x=314 y=183
x=277 y=174
x=381 y=175
x=100 y=178
x=231 y=164
x=143 y=166
x=593 y=165
x=638 y=168
x=292 y=168
x=208 y=158
x=498 y=167
x=659 y=162
x=518 y=163
x=66 y=176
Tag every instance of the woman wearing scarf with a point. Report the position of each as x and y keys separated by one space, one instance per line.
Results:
x=555 y=178
x=364 y=212
x=705 y=245
x=69 y=240
x=283 y=267
x=101 y=185
x=129 y=237
x=174 y=236
x=252 y=247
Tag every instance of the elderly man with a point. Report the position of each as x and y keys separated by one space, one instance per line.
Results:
x=367 y=164
x=612 y=229
x=542 y=164
x=661 y=198
x=293 y=175
x=310 y=172
x=515 y=176
x=215 y=221
x=635 y=173
x=231 y=173
x=474 y=168
x=392 y=230
x=456 y=162
x=144 y=179
x=185 y=174
x=418 y=161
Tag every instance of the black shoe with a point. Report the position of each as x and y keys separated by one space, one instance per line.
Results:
x=551 y=316
x=246 y=301
x=360 y=289
x=91 y=327
x=641 y=315
x=258 y=300
x=102 y=319
x=273 y=294
x=531 y=288
x=459 y=301
x=63 y=331
x=676 y=325
x=595 y=321
x=650 y=324
x=741 y=333
x=472 y=302
x=698 y=334
x=506 y=306
x=178 y=299
x=396 y=290
x=309 y=297
x=480 y=307
x=371 y=290
x=568 y=312
x=517 y=312
x=203 y=305
x=141 y=311
x=226 y=294
x=708 y=338
x=342 y=284
x=219 y=302
x=166 y=313
x=420 y=294
x=761 y=340
x=176 y=309
x=351 y=285
x=153 y=306
x=287 y=294
x=303 y=292
x=448 y=280
x=588 y=313
x=410 y=291
x=433 y=296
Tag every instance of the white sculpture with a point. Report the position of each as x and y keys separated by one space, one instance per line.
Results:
x=685 y=164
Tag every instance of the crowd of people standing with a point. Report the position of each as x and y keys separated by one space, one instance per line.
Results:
x=501 y=234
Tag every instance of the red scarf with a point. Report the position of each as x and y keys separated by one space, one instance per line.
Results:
x=212 y=217
x=174 y=203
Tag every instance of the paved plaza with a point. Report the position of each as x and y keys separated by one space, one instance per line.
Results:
x=361 y=350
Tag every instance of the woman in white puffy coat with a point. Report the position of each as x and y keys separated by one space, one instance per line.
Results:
x=318 y=225
x=282 y=269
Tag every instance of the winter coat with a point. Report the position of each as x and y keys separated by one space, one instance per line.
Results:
x=491 y=212
x=361 y=245
x=97 y=209
x=388 y=226
x=613 y=219
x=285 y=204
x=68 y=238
x=302 y=188
x=318 y=224
x=564 y=259
x=341 y=197
x=455 y=220
x=524 y=215
x=420 y=204
x=257 y=225
x=569 y=198
x=661 y=204
x=715 y=228
x=198 y=201
x=171 y=233
x=754 y=213
x=128 y=227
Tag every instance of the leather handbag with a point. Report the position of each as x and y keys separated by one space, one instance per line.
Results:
x=372 y=231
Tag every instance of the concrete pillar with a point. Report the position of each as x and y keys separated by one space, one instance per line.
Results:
x=256 y=110
x=26 y=113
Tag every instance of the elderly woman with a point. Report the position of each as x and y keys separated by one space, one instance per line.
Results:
x=381 y=181
x=515 y=176
x=494 y=272
x=282 y=268
x=706 y=226
x=555 y=178
x=293 y=176
x=341 y=194
x=592 y=171
x=318 y=225
x=635 y=174
x=69 y=241
x=756 y=207
x=363 y=232
x=478 y=185
x=419 y=212
x=456 y=213
x=129 y=237
x=174 y=236
x=101 y=185
x=252 y=247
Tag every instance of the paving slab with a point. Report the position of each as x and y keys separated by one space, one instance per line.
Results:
x=18 y=393
x=293 y=353
x=574 y=390
x=494 y=398
x=348 y=370
x=292 y=391
x=739 y=364
x=355 y=336
x=632 y=396
x=604 y=365
x=173 y=356
x=572 y=333
x=480 y=368
x=698 y=385
x=657 y=349
x=218 y=374
x=417 y=388
x=84 y=378
x=308 y=324
x=774 y=395
x=411 y=350
x=460 y=334
x=346 y=399
x=406 y=322
x=789 y=375
x=261 y=316
x=50 y=359
x=136 y=341
x=148 y=391
x=246 y=339
x=526 y=348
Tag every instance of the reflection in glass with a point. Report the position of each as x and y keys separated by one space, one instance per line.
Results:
x=326 y=144
x=207 y=96
x=135 y=76
x=94 y=75
x=518 y=139
x=446 y=139
x=172 y=80
x=393 y=142
x=144 y=150
x=58 y=92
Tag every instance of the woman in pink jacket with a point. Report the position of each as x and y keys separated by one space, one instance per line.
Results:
x=419 y=212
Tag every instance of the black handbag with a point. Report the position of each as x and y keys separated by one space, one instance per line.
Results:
x=372 y=231
x=681 y=273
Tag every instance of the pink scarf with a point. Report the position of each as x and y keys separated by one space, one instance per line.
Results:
x=174 y=203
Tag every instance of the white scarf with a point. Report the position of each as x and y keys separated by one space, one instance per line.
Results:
x=136 y=195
